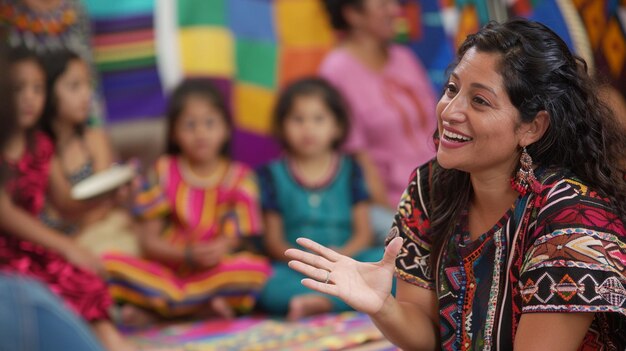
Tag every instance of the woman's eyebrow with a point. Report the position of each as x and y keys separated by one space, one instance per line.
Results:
x=475 y=84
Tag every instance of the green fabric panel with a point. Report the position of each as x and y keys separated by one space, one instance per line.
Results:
x=201 y=12
x=256 y=62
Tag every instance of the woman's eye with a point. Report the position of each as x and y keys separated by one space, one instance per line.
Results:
x=450 y=89
x=481 y=101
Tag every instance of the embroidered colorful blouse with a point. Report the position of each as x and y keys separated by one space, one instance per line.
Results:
x=563 y=250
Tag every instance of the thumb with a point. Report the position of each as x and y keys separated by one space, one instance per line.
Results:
x=391 y=251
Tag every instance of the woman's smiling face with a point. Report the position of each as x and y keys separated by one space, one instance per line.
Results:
x=478 y=124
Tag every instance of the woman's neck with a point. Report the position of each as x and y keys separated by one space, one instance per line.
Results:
x=492 y=192
x=370 y=51
x=492 y=197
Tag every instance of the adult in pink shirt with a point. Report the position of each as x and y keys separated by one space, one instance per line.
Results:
x=390 y=95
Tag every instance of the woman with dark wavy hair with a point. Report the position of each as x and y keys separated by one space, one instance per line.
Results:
x=513 y=237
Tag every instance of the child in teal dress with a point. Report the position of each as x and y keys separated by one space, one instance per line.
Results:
x=313 y=191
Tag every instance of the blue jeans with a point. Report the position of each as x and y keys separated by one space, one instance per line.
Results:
x=34 y=319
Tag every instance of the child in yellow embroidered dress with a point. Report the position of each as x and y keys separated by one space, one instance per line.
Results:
x=197 y=210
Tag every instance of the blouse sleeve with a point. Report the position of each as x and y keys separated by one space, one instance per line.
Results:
x=576 y=258
x=151 y=201
x=244 y=218
x=412 y=224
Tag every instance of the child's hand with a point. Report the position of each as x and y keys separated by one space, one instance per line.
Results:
x=125 y=194
x=207 y=255
x=83 y=258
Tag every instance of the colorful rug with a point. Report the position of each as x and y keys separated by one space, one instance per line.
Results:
x=346 y=331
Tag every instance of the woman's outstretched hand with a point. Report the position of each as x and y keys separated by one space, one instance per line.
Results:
x=363 y=285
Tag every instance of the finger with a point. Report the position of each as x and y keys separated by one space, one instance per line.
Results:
x=309 y=258
x=311 y=272
x=329 y=289
x=391 y=251
x=319 y=249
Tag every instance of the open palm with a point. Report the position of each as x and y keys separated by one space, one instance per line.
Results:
x=363 y=285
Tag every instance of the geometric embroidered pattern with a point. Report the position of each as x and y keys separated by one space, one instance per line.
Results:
x=563 y=250
x=612 y=291
x=566 y=288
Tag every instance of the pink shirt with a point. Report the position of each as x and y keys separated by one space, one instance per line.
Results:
x=393 y=112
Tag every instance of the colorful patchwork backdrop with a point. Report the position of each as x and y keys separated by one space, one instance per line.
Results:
x=596 y=28
x=125 y=55
x=252 y=48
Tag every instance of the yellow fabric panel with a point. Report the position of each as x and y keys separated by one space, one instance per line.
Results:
x=207 y=51
x=253 y=108
x=302 y=23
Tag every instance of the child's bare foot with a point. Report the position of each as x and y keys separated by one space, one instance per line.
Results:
x=133 y=316
x=308 y=305
x=220 y=306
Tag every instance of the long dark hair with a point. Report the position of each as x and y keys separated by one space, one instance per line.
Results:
x=195 y=87
x=7 y=110
x=56 y=63
x=541 y=74
x=18 y=55
x=311 y=86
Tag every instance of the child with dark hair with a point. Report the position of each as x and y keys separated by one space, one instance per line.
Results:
x=198 y=209
x=80 y=152
x=314 y=191
x=28 y=248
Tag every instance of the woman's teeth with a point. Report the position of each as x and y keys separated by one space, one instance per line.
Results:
x=455 y=137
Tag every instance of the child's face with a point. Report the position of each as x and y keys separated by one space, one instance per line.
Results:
x=310 y=128
x=200 y=131
x=30 y=92
x=73 y=93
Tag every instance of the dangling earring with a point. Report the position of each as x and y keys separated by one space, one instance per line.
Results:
x=525 y=177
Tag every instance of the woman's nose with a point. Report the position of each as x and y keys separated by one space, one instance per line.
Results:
x=455 y=110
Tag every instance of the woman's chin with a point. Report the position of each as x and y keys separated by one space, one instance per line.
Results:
x=444 y=160
x=447 y=162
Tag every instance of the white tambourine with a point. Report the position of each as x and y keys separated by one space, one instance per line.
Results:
x=103 y=182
